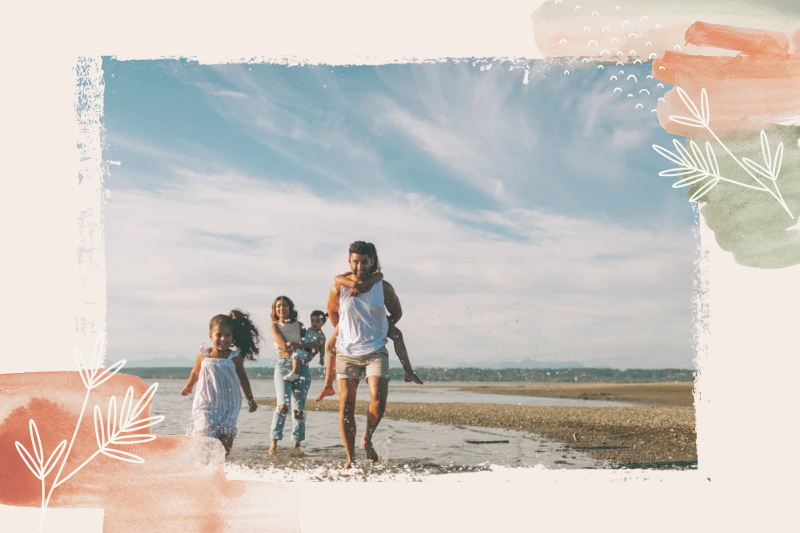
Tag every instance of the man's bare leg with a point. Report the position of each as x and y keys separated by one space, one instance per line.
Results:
x=378 y=391
x=347 y=417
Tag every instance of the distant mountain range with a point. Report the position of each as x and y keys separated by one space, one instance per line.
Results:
x=177 y=362
x=455 y=374
x=525 y=363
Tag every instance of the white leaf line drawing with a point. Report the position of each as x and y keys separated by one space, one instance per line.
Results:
x=127 y=423
x=696 y=169
x=38 y=467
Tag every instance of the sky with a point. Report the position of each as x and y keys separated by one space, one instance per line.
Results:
x=516 y=208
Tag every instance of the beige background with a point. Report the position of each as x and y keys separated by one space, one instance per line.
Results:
x=747 y=412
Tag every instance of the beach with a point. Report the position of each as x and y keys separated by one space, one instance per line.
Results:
x=660 y=434
x=660 y=394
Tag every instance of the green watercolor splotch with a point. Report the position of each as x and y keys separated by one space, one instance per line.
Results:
x=751 y=224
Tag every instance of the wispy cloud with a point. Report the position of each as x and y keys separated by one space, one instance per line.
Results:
x=466 y=119
x=515 y=220
x=297 y=132
x=559 y=288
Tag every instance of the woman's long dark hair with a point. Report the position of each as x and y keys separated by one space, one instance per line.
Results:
x=292 y=310
x=245 y=334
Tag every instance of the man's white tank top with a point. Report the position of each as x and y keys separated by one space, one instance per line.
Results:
x=363 y=324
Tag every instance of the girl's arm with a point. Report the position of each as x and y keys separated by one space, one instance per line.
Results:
x=193 y=376
x=359 y=286
x=312 y=346
x=245 y=382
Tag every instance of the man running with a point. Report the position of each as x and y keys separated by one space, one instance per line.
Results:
x=360 y=345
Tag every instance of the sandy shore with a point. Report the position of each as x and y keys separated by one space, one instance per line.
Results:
x=661 y=394
x=635 y=437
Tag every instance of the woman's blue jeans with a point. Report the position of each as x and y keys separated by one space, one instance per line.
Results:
x=293 y=395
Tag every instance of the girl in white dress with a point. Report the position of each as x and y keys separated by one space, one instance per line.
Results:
x=219 y=370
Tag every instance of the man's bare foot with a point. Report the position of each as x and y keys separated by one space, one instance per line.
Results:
x=326 y=391
x=372 y=455
x=411 y=376
x=347 y=465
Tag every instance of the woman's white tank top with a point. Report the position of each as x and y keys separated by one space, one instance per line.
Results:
x=290 y=332
x=363 y=324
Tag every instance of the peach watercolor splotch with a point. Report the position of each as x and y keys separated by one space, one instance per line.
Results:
x=613 y=31
x=753 y=92
x=180 y=487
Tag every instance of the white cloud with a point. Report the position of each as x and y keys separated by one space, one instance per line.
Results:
x=556 y=287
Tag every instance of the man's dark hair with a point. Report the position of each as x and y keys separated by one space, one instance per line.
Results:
x=368 y=249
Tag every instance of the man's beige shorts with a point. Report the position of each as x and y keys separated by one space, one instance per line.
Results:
x=374 y=364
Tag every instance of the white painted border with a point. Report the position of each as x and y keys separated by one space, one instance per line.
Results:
x=746 y=414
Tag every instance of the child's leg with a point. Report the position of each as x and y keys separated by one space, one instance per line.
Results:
x=400 y=349
x=296 y=362
x=330 y=369
x=227 y=443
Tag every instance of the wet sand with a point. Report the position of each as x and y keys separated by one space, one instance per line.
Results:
x=660 y=394
x=631 y=437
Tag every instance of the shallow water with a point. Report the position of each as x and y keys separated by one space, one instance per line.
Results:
x=411 y=449
x=447 y=393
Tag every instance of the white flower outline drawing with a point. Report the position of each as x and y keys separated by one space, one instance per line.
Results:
x=696 y=168
x=127 y=423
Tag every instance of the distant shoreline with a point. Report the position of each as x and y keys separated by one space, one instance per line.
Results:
x=444 y=375
x=664 y=394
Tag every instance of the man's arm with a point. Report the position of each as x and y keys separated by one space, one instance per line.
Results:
x=392 y=303
x=333 y=304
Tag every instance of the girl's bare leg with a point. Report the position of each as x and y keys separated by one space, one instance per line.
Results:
x=400 y=349
x=227 y=443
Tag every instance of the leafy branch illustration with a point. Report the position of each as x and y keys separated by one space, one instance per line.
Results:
x=39 y=468
x=695 y=168
x=128 y=422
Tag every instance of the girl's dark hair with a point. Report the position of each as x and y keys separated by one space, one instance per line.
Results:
x=323 y=314
x=292 y=311
x=368 y=249
x=245 y=334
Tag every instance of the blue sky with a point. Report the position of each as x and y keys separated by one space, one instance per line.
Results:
x=516 y=220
